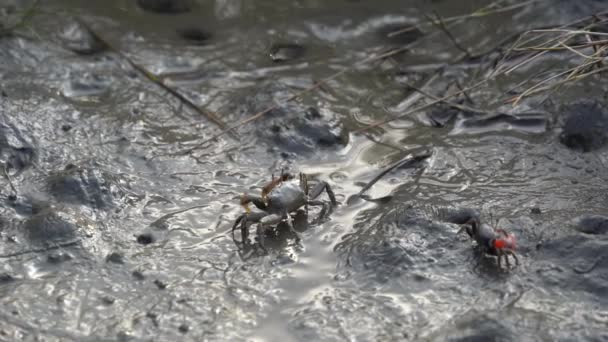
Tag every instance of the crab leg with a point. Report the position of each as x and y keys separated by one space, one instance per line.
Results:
x=243 y=220
x=289 y=220
x=324 y=210
x=510 y=252
x=318 y=189
x=263 y=224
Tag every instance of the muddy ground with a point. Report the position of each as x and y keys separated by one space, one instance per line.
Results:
x=117 y=198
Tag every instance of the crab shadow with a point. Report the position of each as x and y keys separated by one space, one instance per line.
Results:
x=275 y=240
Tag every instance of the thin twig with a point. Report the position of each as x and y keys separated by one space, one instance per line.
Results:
x=8 y=178
x=421 y=107
x=460 y=107
x=154 y=79
x=400 y=163
x=438 y=22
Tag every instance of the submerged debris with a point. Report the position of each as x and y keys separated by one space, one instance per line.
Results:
x=80 y=39
x=194 y=35
x=286 y=52
x=165 y=6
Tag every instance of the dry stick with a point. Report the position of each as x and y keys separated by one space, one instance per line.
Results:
x=154 y=79
x=382 y=122
x=450 y=104
x=597 y=20
x=591 y=43
x=517 y=66
x=595 y=47
x=438 y=22
x=466 y=95
x=296 y=95
x=572 y=32
x=382 y=143
x=8 y=178
x=409 y=159
x=576 y=78
x=544 y=47
x=577 y=52
x=590 y=60
x=561 y=38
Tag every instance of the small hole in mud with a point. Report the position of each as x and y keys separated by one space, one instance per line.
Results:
x=145 y=239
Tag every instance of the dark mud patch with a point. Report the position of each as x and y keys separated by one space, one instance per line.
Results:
x=79 y=39
x=592 y=224
x=82 y=185
x=399 y=34
x=578 y=263
x=292 y=129
x=194 y=35
x=52 y=225
x=17 y=151
x=404 y=242
x=585 y=127
x=477 y=327
x=165 y=6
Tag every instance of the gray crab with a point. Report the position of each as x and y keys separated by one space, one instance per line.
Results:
x=280 y=198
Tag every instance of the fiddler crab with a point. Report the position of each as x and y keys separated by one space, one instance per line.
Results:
x=496 y=242
x=281 y=197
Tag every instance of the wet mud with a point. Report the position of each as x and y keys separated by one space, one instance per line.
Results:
x=117 y=197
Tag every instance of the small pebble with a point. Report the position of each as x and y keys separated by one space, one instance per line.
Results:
x=145 y=238
x=184 y=328
x=115 y=258
x=107 y=300
x=5 y=278
x=138 y=275
x=160 y=284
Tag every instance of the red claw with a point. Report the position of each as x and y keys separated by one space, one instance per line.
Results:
x=508 y=242
x=499 y=243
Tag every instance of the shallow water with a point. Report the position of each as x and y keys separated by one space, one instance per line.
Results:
x=112 y=232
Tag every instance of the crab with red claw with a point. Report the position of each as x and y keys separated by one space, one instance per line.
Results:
x=496 y=242
x=279 y=199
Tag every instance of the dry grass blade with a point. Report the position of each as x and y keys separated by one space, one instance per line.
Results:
x=571 y=39
x=463 y=108
x=440 y=24
x=421 y=107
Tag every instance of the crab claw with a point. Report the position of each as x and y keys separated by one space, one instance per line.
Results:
x=508 y=242
x=245 y=202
